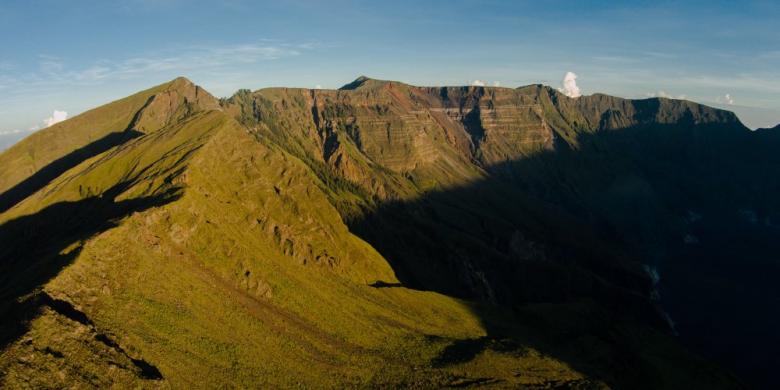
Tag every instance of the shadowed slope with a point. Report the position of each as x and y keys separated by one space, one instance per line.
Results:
x=56 y=168
x=548 y=233
x=38 y=246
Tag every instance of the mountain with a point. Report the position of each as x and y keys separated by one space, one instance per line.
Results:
x=388 y=235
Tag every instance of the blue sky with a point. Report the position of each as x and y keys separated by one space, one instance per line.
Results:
x=74 y=55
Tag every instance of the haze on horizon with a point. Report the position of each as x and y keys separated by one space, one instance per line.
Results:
x=60 y=59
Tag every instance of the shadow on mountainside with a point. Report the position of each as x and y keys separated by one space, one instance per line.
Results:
x=35 y=248
x=56 y=168
x=572 y=240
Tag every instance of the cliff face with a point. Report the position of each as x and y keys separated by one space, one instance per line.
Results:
x=329 y=238
x=590 y=160
x=447 y=135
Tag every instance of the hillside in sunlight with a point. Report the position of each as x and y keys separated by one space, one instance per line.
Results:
x=388 y=235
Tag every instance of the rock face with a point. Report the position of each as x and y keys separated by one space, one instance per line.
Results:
x=495 y=152
x=377 y=235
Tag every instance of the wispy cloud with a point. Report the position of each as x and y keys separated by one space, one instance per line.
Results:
x=750 y=82
x=7 y=81
x=657 y=54
x=769 y=55
x=50 y=65
x=617 y=59
x=53 y=71
x=192 y=59
x=11 y=132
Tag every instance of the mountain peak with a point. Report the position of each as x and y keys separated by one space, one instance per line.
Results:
x=181 y=83
x=364 y=82
x=191 y=93
x=182 y=79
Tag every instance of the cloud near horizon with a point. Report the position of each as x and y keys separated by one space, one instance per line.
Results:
x=56 y=117
x=663 y=94
x=569 y=85
x=726 y=99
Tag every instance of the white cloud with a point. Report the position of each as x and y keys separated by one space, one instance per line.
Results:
x=663 y=94
x=726 y=99
x=484 y=83
x=318 y=86
x=569 y=85
x=56 y=117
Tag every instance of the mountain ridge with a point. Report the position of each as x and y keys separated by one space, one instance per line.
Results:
x=463 y=233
